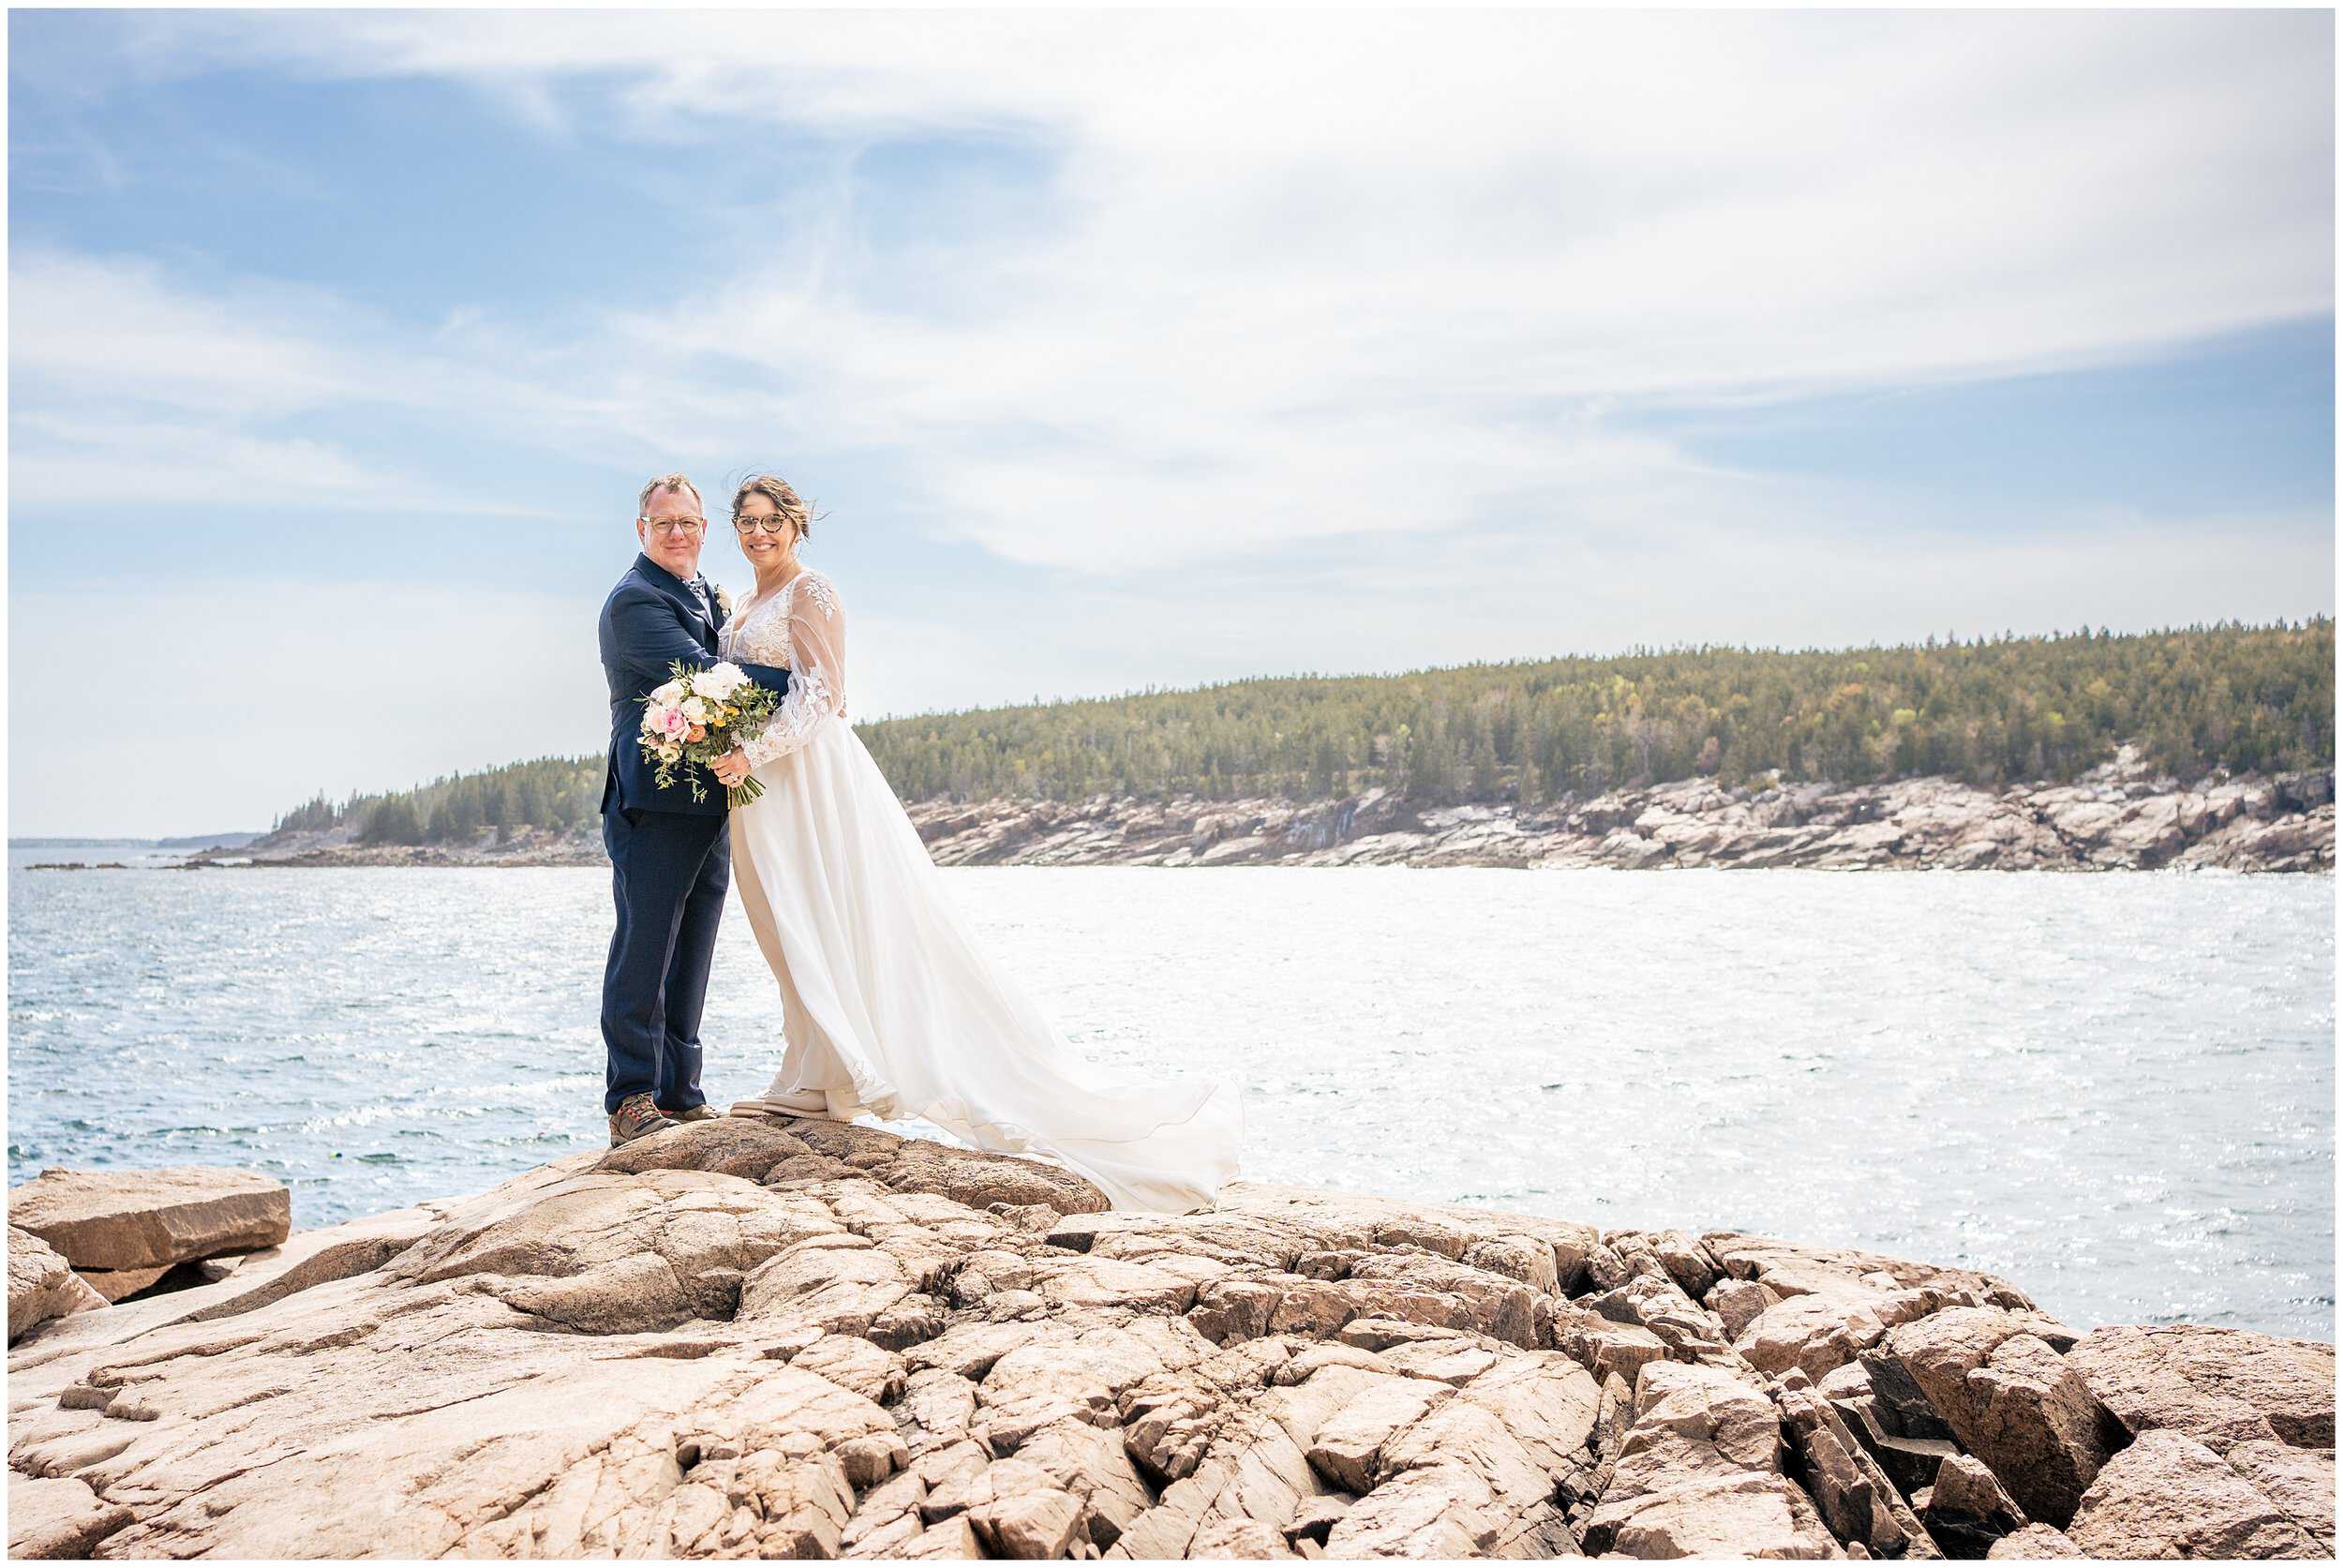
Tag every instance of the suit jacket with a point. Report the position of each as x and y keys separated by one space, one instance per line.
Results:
x=650 y=619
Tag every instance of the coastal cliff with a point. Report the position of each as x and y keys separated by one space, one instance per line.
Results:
x=2119 y=816
x=799 y=1338
x=2113 y=819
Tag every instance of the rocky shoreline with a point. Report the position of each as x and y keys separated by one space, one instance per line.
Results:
x=2114 y=819
x=2119 y=816
x=800 y=1338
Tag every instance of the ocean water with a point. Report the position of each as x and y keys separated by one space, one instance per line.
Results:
x=2117 y=1091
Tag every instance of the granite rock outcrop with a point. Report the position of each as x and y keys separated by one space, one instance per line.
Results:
x=800 y=1338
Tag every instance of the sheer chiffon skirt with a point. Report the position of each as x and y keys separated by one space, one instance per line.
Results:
x=891 y=1006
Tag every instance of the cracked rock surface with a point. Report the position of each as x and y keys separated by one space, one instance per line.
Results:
x=745 y=1338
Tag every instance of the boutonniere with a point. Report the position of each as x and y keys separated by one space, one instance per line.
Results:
x=723 y=604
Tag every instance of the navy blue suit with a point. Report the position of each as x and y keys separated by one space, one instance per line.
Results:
x=670 y=855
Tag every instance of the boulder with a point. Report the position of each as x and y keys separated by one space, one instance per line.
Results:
x=1687 y=1260
x=869 y=1369
x=1654 y=1300
x=1738 y=1303
x=2012 y=1400
x=1967 y=1510
x=1532 y=1261
x=2221 y=1386
x=1812 y=1333
x=1746 y=1514
x=1607 y=1347
x=1695 y=1420
x=2299 y=1482
x=1699 y=1474
x=1018 y=1511
x=151 y=1219
x=41 y=1285
x=2169 y=1495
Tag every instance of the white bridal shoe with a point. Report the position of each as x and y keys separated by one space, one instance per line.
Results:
x=800 y=1103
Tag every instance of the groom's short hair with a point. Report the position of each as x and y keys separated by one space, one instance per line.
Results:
x=667 y=481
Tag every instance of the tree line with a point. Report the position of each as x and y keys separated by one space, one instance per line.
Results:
x=548 y=792
x=1990 y=711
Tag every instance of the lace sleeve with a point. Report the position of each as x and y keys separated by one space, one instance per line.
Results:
x=817 y=671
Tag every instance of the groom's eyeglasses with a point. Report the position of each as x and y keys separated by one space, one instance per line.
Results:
x=771 y=525
x=689 y=527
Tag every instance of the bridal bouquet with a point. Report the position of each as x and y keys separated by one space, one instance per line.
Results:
x=699 y=716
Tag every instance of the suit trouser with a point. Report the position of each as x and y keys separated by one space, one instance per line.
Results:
x=668 y=873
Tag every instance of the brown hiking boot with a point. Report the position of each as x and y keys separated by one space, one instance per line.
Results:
x=694 y=1113
x=635 y=1117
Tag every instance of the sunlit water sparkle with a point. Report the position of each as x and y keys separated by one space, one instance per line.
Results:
x=2115 y=1090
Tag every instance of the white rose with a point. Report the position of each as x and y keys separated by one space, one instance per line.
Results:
x=696 y=711
x=671 y=752
x=669 y=694
x=718 y=682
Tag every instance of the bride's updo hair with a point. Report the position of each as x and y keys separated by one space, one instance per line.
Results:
x=785 y=502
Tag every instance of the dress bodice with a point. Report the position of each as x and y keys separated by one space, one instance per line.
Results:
x=760 y=633
x=799 y=627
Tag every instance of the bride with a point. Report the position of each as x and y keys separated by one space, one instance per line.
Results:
x=887 y=1004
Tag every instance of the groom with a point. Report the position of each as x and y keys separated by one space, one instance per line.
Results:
x=670 y=855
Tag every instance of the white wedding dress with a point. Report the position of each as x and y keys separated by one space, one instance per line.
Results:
x=887 y=1004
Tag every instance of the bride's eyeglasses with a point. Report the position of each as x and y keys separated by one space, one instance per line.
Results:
x=773 y=524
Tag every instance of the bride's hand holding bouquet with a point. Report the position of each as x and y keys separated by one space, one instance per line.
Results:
x=699 y=716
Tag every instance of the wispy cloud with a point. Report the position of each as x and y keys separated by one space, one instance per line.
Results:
x=1299 y=279
x=122 y=375
x=1232 y=342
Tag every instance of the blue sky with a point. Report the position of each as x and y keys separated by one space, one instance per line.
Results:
x=1128 y=349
